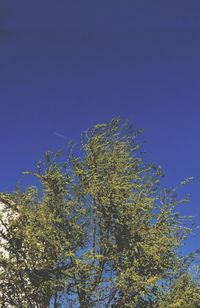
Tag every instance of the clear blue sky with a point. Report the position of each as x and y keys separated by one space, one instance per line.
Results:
x=66 y=65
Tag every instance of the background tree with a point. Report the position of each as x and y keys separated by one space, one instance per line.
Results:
x=101 y=232
x=184 y=292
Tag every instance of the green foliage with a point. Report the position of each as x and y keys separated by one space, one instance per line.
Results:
x=100 y=232
x=184 y=293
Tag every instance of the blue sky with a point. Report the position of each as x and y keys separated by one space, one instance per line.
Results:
x=66 y=65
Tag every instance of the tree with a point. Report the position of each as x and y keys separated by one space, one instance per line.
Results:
x=184 y=292
x=98 y=231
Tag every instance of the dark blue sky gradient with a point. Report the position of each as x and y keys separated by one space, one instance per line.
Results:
x=66 y=65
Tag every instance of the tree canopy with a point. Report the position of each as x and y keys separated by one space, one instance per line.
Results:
x=99 y=230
